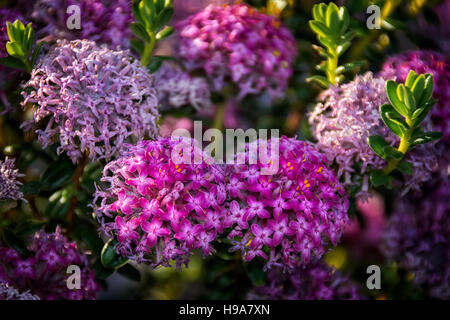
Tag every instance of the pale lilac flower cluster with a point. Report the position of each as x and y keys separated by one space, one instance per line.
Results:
x=9 y=293
x=9 y=185
x=237 y=44
x=343 y=121
x=287 y=218
x=176 y=88
x=103 y=21
x=92 y=99
x=44 y=271
x=418 y=238
x=424 y=61
x=163 y=199
x=317 y=281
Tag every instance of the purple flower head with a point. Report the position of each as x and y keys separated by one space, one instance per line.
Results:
x=44 y=272
x=288 y=217
x=418 y=238
x=239 y=45
x=344 y=119
x=158 y=208
x=317 y=281
x=9 y=185
x=177 y=88
x=423 y=61
x=92 y=99
x=10 y=293
x=103 y=21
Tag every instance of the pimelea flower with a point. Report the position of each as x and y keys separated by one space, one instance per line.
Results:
x=159 y=209
x=177 y=88
x=44 y=271
x=289 y=216
x=425 y=61
x=418 y=238
x=9 y=185
x=239 y=45
x=9 y=293
x=103 y=21
x=93 y=99
x=314 y=282
x=344 y=119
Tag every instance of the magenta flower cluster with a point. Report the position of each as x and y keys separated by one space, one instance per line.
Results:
x=317 y=281
x=103 y=21
x=289 y=217
x=10 y=293
x=237 y=44
x=425 y=61
x=418 y=238
x=163 y=199
x=91 y=98
x=9 y=183
x=44 y=271
x=344 y=119
x=176 y=88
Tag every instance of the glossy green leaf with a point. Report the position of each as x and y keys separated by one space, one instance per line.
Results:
x=392 y=120
x=391 y=91
x=320 y=29
x=15 y=50
x=57 y=175
x=109 y=257
x=13 y=63
x=378 y=145
x=405 y=167
x=426 y=137
x=320 y=80
x=379 y=178
x=31 y=188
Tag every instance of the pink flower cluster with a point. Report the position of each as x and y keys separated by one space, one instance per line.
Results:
x=289 y=217
x=346 y=117
x=103 y=21
x=91 y=98
x=418 y=238
x=163 y=199
x=44 y=271
x=314 y=282
x=425 y=61
x=176 y=88
x=239 y=45
x=9 y=185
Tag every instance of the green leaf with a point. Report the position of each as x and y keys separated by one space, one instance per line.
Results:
x=137 y=45
x=164 y=33
x=320 y=80
x=160 y=5
x=31 y=188
x=418 y=87
x=58 y=204
x=426 y=137
x=101 y=272
x=130 y=272
x=163 y=18
x=393 y=153
x=408 y=99
x=109 y=257
x=36 y=52
x=391 y=91
x=410 y=79
x=350 y=66
x=332 y=17
x=15 y=50
x=57 y=175
x=393 y=120
x=13 y=241
x=405 y=167
x=12 y=32
x=345 y=19
x=140 y=32
x=13 y=63
x=379 y=178
x=428 y=89
x=319 y=11
x=320 y=29
x=89 y=236
x=137 y=12
x=378 y=145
